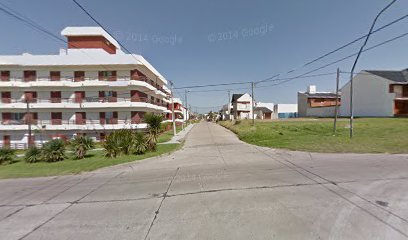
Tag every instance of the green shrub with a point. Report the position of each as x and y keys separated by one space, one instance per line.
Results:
x=126 y=140
x=80 y=145
x=237 y=122
x=154 y=122
x=32 y=155
x=111 y=145
x=7 y=155
x=53 y=151
x=119 y=141
x=140 y=143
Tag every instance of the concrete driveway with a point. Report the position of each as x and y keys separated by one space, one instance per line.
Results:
x=216 y=187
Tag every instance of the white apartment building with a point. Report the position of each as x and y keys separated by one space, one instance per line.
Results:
x=241 y=106
x=90 y=88
x=181 y=113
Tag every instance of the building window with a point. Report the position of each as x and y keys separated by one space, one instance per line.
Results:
x=138 y=96
x=137 y=75
x=55 y=76
x=56 y=118
x=5 y=76
x=108 y=96
x=107 y=76
x=108 y=117
x=79 y=96
x=102 y=137
x=6 y=141
x=30 y=76
x=6 y=97
x=30 y=96
x=80 y=118
x=79 y=76
x=55 y=96
x=137 y=117
x=31 y=117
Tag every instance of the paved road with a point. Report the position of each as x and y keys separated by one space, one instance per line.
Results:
x=216 y=187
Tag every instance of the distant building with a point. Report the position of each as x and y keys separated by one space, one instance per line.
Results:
x=285 y=111
x=377 y=94
x=181 y=113
x=225 y=112
x=317 y=104
x=241 y=106
x=264 y=110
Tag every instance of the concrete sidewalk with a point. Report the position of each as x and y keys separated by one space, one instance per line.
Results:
x=180 y=136
x=216 y=187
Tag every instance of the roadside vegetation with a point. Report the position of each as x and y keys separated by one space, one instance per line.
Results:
x=372 y=135
x=120 y=146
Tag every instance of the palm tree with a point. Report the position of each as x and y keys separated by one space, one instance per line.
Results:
x=33 y=155
x=7 y=155
x=140 y=143
x=80 y=145
x=53 y=151
x=154 y=122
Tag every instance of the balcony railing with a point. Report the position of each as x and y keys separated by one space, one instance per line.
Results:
x=86 y=100
x=56 y=122
x=96 y=79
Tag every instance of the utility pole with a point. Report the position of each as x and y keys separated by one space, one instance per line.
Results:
x=355 y=64
x=336 y=108
x=28 y=119
x=186 y=107
x=253 y=104
x=172 y=110
x=228 y=106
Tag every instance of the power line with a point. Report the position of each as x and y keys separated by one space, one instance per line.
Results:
x=97 y=22
x=213 y=85
x=355 y=40
x=354 y=54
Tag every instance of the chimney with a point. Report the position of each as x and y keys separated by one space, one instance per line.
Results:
x=311 y=89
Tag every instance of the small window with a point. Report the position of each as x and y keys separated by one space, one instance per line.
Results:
x=55 y=76
x=79 y=76
x=391 y=88
x=5 y=76
x=30 y=76
x=107 y=75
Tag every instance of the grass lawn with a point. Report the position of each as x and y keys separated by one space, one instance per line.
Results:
x=371 y=135
x=94 y=160
x=167 y=135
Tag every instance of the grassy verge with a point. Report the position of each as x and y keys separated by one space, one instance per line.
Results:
x=167 y=135
x=94 y=160
x=372 y=135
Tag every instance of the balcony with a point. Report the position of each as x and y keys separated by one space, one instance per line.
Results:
x=84 y=82
x=84 y=124
x=87 y=102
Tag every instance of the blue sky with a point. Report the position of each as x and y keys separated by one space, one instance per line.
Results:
x=195 y=42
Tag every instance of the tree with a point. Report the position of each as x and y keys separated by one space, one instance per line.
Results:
x=154 y=122
x=80 y=145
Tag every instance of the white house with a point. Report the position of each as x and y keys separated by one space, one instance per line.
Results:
x=225 y=112
x=264 y=110
x=90 y=88
x=377 y=94
x=284 y=111
x=241 y=106
x=317 y=104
